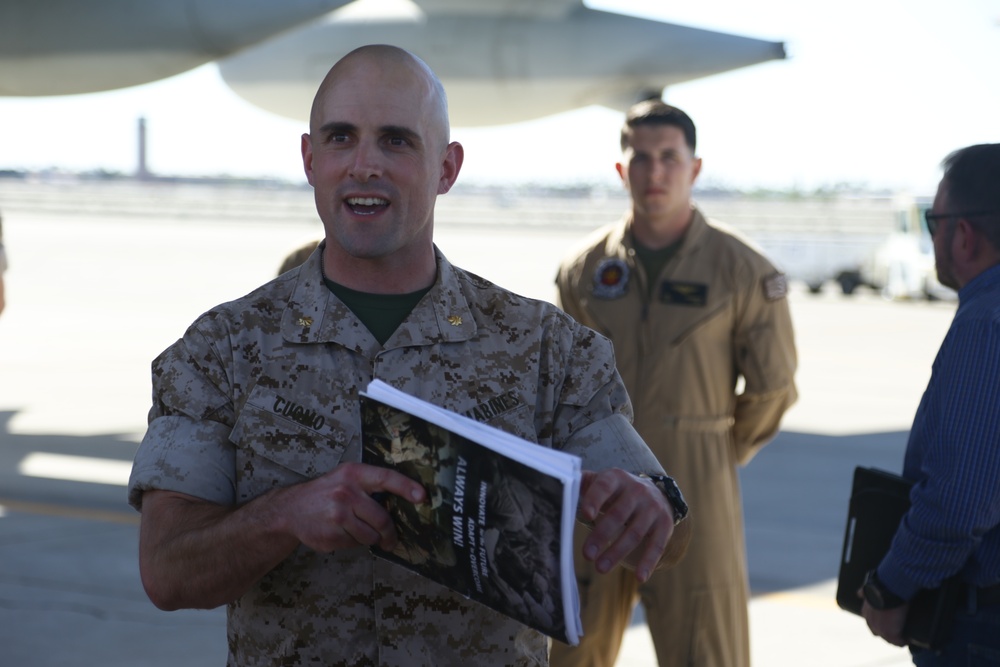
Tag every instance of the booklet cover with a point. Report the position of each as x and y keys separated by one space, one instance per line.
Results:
x=498 y=524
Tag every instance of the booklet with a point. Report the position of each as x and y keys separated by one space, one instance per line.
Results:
x=498 y=524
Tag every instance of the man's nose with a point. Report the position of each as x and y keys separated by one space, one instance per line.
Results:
x=367 y=163
x=658 y=168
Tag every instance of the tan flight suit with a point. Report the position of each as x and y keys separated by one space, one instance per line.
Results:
x=262 y=392
x=717 y=312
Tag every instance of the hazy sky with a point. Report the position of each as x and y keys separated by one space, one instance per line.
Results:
x=874 y=92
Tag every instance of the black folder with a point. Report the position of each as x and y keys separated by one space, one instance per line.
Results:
x=879 y=499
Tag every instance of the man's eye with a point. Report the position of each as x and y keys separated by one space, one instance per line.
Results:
x=398 y=142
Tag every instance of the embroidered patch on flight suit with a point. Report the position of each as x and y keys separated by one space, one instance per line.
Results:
x=611 y=279
x=684 y=294
x=775 y=286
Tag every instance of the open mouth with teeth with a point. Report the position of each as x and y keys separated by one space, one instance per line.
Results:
x=366 y=205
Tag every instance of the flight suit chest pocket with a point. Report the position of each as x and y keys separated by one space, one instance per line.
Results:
x=710 y=321
x=282 y=439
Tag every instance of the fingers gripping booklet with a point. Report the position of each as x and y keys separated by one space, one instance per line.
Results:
x=497 y=526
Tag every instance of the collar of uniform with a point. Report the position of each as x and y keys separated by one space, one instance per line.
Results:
x=695 y=234
x=619 y=241
x=443 y=315
x=314 y=315
x=621 y=238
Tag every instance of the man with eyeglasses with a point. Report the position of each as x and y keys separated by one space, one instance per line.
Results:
x=952 y=529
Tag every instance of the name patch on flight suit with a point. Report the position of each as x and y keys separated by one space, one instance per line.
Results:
x=684 y=294
x=611 y=279
x=775 y=287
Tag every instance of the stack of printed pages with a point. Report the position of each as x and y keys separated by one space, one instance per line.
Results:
x=497 y=526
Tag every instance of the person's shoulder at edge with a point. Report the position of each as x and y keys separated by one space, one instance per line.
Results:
x=594 y=243
x=266 y=301
x=742 y=247
x=488 y=292
x=298 y=256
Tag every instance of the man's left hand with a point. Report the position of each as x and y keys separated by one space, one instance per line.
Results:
x=632 y=522
x=886 y=623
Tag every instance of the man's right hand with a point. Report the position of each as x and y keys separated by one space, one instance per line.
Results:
x=338 y=511
x=197 y=554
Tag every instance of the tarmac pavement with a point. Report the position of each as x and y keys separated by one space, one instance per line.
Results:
x=91 y=301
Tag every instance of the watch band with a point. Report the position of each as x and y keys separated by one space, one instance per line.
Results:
x=877 y=595
x=669 y=488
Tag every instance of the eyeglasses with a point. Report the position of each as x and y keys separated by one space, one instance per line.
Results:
x=933 y=219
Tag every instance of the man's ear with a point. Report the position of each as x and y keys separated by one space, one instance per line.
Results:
x=307 y=157
x=454 y=156
x=695 y=169
x=965 y=242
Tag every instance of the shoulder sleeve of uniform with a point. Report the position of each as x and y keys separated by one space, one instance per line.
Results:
x=593 y=418
x=588 y=364
x=190 y=378
x=185 y=455
x=576 y=269
x=612 y=442
x=767 y=359
x=186 y=447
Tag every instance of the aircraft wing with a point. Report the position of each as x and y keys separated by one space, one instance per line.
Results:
x=501 y=61
x=499 y=9
x=64 y=47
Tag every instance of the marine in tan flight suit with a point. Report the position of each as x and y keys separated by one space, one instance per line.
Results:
x=712 y=317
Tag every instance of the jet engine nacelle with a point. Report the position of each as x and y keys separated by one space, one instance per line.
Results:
x=500 y=69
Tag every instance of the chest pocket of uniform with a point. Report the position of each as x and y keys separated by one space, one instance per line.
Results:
x=706 y=321
x=281 y=439
x=507 y=411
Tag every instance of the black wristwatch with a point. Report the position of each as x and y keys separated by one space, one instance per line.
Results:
x=673 y=493
x=877 y=595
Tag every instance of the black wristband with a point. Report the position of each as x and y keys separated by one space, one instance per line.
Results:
x=877 y=595
x=669 y=487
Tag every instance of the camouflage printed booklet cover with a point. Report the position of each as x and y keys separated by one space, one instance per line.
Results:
x=498 y=524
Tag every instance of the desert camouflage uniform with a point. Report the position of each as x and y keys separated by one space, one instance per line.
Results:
x=262 y=392
x=718 y=311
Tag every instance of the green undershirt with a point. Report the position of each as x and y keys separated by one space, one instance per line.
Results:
x=380 y=313
x=653 y=261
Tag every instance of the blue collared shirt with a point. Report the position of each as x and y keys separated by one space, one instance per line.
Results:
x=953 y=456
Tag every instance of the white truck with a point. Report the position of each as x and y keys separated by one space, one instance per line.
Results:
x=813 y=240
x=902 y=267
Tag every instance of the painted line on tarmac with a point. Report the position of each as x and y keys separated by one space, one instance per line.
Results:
x=67 y=512
x=803 y=598
x=89 y=469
